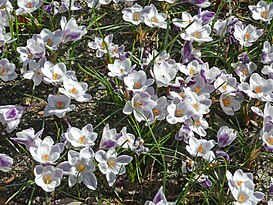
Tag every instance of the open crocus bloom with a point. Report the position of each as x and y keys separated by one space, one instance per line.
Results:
x=154 y=19
x=111 y=164
x=197 y=32
x=7 y=70
x=133 y=14
x=28 y=6
x=58 y=105
x=201 y=148
x=137 y=81
x=267 y=138
x=120 y=68
x=45 y=151
x=240 y=178
x=54 y=73
x=48 y=177
x=80 y=168
x=231 y=102
x=262 y=11
x=246 y=35
x=81 y=138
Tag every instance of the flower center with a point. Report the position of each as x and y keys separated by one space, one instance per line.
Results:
x=247 y=36
x=29 y=5
x=258 y=89
x=197 y=89
x=192 y=71
x=2 y=71
x=49 y=42
x=179 y=112
x=239 y=182
x=111 y=163
x=82 y=139
x=196 y=106
x=47 y=179
x=73 y=90
x=102 y=45
x=226 y=101
x=136 y=16
x=138 y=104
x=200 y=148
x=197 y=34
x=156 y=112
x=241 y=198
x=154 y=20
x=270 y=141
x=55 y=76
x=122 y=70
x=60 y=105
x=263 y=14
x=244 y=71
x=197 y=122
x=45 y=157
x=137 y=85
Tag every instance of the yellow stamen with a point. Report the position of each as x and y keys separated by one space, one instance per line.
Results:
x=200 y=148
x=224 y=87
x=239 y=182
x=111 y=163
x=29 y=5
x=244 y=71
x=137 y=85
x=2 y=71
x=197 y=34
x=241 y=198
x=196 y=106
x=263 y=14
x=192 y=72
x=80 y=168
x=226 y=101
x=182 y=95
x=55 y=76
x=197 y=89
x=81 y=140
x=154 y=20
x=73 y=90
x=138 y=104
x=197 y=122
x=49 y=42
x=179 y=112
x=258 y=89
x=47 y=179
x=270 y=141
x=136 y=16
x=102 y=45
x=247 y=36
x=45 y=157
x=156 y=112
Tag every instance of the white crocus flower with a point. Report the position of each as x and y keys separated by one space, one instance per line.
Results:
x=201 y=148
x=178 y=111
x=226 y=136
x=230 y=102
x=7 y=70
x=58 y=105
x=137 y=81
x=109 y=138
x=267 y=53
x=197 y=32
x=247 y=35
x=267 y=138
x=80 y=168
x=197 y=124
x=240 y=178
x=100 y=45
x=164 y=73
x=192 y=69
x=35 y=71
x=126 y=140
x=46 y=152
x=245 y=196
x=52 y=39
x=75 y=90
x=120 y=68
x=54 y=73
x=258 y=87
x=185 y=20
x=81 y=138
x=262 y=11
x=111 y=164
x=161 y=57
x=225 y=83
x=28 y=6
x=133 y=14
x=268 y=70
x=48 y=177
x=154 y=19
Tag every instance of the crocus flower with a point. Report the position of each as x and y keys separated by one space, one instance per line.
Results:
x=244 y=70
x=100 y=44
x=35 y=72
x=109 y=138
x=54 y=73
x=126 y=140
x=141 y=105
x=246 y=35
x=267 y=138
x=81 y=138
x=226 y=136
x=201 y=148
x=68 y=5
x=231 y=102
x=5 y=162
x=197 y=32
x=137 y=81
x=154 y=19
x=164 y=73
x=111 y=164
x=185 y=20
x=159 y=199
x=71 y=30
x=267 y=53
x=225 y=83
x=204 y=181
x=48 y=177
x=11 y=116
x=28 y=137
x=258 y=87
x=133 y=14
x=75 y=90
x=45 y=151
x=120 y=68
x=52 y=39
x=58 y=105
x=7 y=70
x=240 y=178
x=268 y=70
x=200 y=3
x=262 y=11
x=80 y=168
x=139 y=147
x=28 y=6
